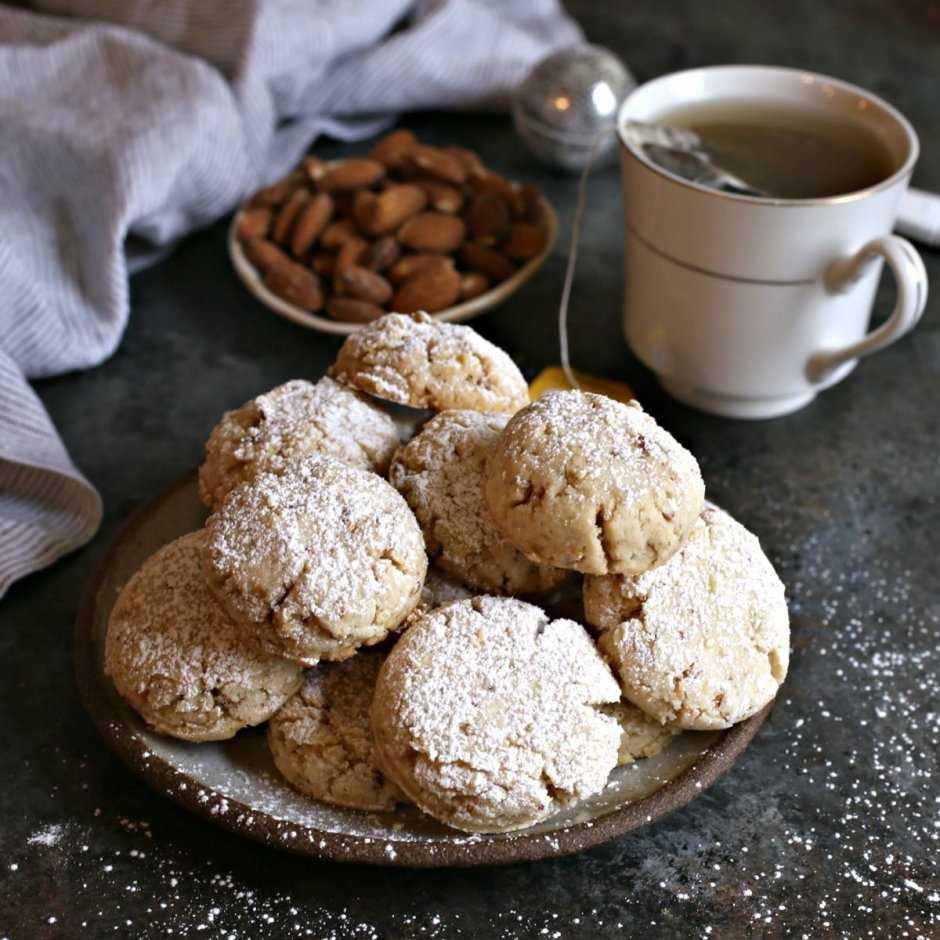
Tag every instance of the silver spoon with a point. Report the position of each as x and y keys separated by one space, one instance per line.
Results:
x=682 y=152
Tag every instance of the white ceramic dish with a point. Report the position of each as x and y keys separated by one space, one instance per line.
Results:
x=456 y=314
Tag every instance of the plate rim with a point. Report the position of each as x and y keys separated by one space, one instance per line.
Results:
x=461 y=850
x=248 y=275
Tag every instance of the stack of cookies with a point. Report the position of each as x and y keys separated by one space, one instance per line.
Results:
x=382 y=605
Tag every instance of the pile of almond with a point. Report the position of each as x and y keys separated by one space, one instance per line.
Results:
x=410 y=227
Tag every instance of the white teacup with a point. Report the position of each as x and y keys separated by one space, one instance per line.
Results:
x=746 y=306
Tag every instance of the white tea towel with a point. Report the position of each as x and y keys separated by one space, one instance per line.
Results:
x=146 y=119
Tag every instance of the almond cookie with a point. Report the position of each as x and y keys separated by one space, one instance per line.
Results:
x=581 y=481
x=321 y=738
x=415 y=360
x=489 y=716
x=703 y=641
x=440 y=474
x=293 y=419
x=316 y=560
x=180 y=661
x=640 y=735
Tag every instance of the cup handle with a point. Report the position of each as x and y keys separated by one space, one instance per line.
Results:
x=911 y=280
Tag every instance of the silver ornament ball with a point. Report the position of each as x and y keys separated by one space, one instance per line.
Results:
x=567 y=100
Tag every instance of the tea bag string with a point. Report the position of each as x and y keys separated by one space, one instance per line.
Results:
x=573 y=258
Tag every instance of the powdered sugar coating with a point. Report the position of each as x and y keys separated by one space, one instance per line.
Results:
x=413 y=359
x=440 y=473
x=318 y=559
x=581 y=481
x=486 y=714
x=295 y=418
x=321 y=739
x=180 y=661
x=703 y=641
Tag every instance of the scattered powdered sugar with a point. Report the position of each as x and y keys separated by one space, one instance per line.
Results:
x=48 y=836
x=745 y=868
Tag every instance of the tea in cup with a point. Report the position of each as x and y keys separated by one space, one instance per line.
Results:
x=746 y=301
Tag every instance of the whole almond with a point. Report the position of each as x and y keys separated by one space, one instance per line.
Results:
x=470 y=160
x=363 y=209
x=337 y=233
x=433 y=232
x=353 y=253
x=490 y=182
x=254 y=224
x=407 y=265
x=472 y=284
x=394 y=205
x=272 y=196
x=295 y=284
x=488 y=218
x=442 y=197
x=436 y=164
x=383 y=253
x=354 y=173
x=363 y=284
x=430 y=289
x=390 y=149
x=497 y=267
x=287 y=215
x=311 y=221
x=351 y=310
x=525 y=240
x=265 y=255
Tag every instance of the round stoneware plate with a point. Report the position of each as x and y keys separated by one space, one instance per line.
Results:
x=235 y=785
x=465 y=311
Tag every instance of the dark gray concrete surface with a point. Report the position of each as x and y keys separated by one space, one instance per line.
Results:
x=829 y=824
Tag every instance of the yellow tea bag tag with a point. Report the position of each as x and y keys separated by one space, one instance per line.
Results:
x=553 y=378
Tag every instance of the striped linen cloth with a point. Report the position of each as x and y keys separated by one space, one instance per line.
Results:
x=125 y=124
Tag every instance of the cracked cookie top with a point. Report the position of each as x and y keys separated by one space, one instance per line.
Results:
x=317 y=560
x=490 y=716
x=296 y=418
x=703 y=641
x=581 y=481
x=180 y=661
x=415 y=360
x=321 y=738
x=440 y=474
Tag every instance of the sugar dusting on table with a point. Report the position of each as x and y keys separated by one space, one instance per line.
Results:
x=767 y=850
